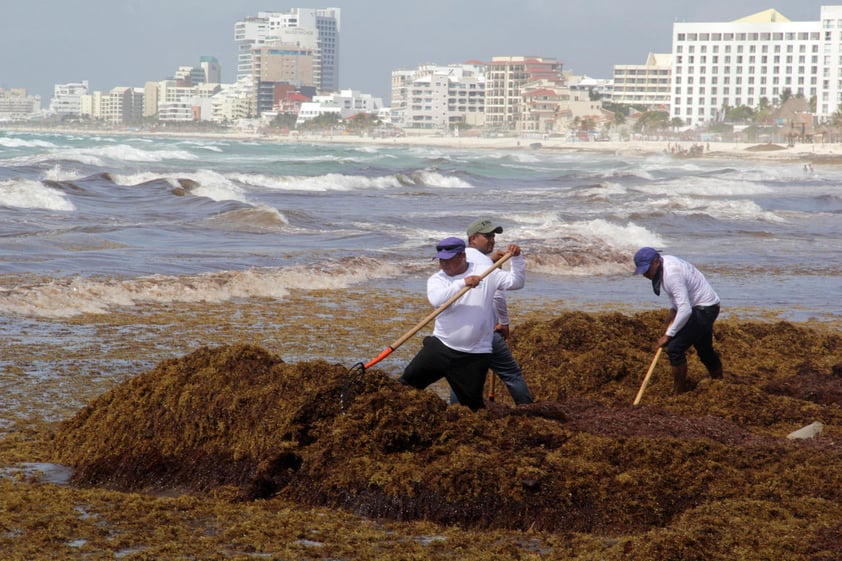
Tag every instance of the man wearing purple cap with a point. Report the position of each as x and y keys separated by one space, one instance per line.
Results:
x=459 y=349
x=694 y=307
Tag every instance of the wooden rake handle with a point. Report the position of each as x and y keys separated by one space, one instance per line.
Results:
x=648 y=376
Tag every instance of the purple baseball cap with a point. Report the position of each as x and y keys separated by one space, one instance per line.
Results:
x=643 y=259
x=449 y=248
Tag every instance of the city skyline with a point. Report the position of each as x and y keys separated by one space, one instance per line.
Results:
x=128 y=42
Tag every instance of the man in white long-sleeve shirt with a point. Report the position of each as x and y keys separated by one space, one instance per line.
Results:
x=481 y=240
x=694 y=307
x=459 y=349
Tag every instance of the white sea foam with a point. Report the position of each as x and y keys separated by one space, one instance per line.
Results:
x=12 y=142
x=435 y=179
x=210 y=145
x=81 y=295
x=327 y=182
x=635 y=172
x=124 y=152
x=25 y=193
x=525 y=157
x=216 y=186
x=205 y=183
x=87 y=158
x=705 y=187
x=602 y=191
x=720 y=209
x=58 y=173
x=552 y=228
x=99 y=155
x=617 y=235
x=138 y=178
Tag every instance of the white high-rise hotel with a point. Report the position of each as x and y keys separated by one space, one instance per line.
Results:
x=719 y=65
x=317 y=29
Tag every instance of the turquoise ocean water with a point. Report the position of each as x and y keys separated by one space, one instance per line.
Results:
x=95 y=223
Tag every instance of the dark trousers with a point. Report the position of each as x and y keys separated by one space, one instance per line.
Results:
x=465 y=372
x=698 y=333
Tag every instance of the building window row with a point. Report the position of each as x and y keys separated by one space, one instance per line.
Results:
x=752 y=49
x=766 y=36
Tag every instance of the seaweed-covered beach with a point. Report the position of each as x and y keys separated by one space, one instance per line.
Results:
x=205 y=441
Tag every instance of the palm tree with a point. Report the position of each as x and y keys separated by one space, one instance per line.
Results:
x=785 y=95
x=836 y=118
x=652 y=121
x=676 y=123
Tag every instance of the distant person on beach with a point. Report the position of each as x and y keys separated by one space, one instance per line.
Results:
x=481 y=239
x=694 y=307
x=460 y=347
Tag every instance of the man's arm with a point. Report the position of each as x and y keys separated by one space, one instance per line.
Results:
x=441 y=289
x=681 y=306
x=516 y=278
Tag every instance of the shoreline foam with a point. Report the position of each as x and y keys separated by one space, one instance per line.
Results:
x=825 y=153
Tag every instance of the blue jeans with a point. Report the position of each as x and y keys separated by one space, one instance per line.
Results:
x=507 y=369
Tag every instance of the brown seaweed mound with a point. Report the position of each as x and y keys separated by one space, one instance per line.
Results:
x=682 y=471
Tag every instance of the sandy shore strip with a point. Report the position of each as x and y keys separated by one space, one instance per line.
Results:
x=805 y=153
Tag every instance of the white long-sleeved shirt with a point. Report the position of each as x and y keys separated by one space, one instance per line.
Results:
x=501 y=307
x=686 y=287
x=468 y=324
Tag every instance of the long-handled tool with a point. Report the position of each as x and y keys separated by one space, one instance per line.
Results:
x=648 y=376
x=359 y=368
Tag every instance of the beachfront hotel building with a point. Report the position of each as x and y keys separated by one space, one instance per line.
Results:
x=505 y=78
x=646 y=85
x=66 y=99
x=345 y=104
x=307 y=41
x=755 y=60
x=439 y=97
x=280 y=65
x=123 y=104
x=16 y=104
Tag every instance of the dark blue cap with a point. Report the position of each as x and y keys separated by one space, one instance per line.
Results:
x=643 y=259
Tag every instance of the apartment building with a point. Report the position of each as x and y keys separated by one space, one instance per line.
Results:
x=233 y=102
x=718 y=65
x=16 y=104
x=829 y=93
x=439 y=97
x=211 y=69
x=345 y=103
x=505 y=78
x=646 y=85
x=549 y=108
x=122 y=104
x=280 y=65
x=67 y=98
x=192 y=104
x=314 y=30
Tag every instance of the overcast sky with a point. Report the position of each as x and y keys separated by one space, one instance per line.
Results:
x=128 y=42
